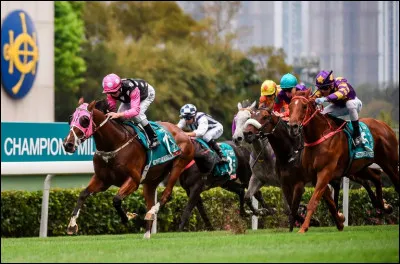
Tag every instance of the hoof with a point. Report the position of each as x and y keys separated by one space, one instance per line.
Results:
x=150 y=216
x=342 y=218
x=302 y=230
x=72 y=230
x=131 y=215
x=146 y=235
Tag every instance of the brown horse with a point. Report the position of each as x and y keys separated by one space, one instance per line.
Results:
x=326 y=153
x=293 y=176
x=120 y=160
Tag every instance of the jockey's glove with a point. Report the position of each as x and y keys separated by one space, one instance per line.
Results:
x=321 y=100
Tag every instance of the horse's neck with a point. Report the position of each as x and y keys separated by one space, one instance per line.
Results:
x=259 y=145
x=281 y=141
x=317 y=127
x=110 y=136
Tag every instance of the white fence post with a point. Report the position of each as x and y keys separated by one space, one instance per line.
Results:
x=346 y=200
x=45 y=206
x=254 y=219
x=154 y=226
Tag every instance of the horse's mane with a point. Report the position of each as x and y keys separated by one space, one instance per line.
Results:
x=103 y=106
x=246 y=103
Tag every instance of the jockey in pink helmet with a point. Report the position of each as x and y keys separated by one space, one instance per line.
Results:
x=135 y=96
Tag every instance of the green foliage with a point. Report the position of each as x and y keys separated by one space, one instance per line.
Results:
x=20 y=211
x=69 y=66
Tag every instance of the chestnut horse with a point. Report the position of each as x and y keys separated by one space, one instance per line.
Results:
x=326 y=153
x=120 y=159
x=264 y=123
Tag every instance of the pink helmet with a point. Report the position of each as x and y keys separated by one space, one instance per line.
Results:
x=111 y=83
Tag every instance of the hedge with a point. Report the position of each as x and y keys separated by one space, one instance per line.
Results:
x=20 y=211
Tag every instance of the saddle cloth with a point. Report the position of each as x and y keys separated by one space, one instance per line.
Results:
x=166 y=151
x=226 y=169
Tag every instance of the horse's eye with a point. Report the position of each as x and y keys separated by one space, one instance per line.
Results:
x=84 y=121
x=304 y=107
x=265 y=117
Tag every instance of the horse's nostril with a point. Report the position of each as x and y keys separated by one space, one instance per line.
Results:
x=239 y=139
x=68 y=145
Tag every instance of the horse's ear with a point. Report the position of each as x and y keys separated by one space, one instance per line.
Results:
x=91 y=105
x=239 y=106
x=253 y=105
x=81 y=101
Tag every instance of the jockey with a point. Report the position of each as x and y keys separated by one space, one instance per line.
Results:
x=269 y=90
x=287 y=83
x=135 y=96
x=203 y=126
x=343 y=101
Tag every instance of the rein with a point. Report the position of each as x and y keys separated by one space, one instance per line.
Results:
x=107 y=155
x=307 y=121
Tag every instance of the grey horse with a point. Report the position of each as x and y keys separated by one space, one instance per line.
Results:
x=262 y=159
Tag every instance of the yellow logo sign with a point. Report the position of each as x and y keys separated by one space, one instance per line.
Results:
x=320 y=79
x=17 y=52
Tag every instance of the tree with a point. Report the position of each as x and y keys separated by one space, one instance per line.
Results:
x=69 y=65
x=270 y=64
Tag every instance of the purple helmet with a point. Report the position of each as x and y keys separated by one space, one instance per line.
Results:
x=300 y=87
x=324 y=78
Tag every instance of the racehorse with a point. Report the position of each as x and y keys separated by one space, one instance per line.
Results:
x=262 y=158
x=293 y=176
x=120 y=159
x=326 y=154
x=198 y=177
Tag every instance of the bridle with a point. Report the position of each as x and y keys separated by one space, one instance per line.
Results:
x=306 y=121
x=90 y=130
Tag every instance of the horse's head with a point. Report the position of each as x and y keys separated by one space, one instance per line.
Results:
x=204 y=158
x=81 y=125
x=245 y=109
x=301 y=109
x=262 y=122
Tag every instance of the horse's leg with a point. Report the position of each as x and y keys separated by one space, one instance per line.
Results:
x=254 y=187
x=288 y=195
x=194 y=197
x=336 y=189
x=337 y=217
x=95 y=185
x=149 y=191
x=376 y=180
x=129 y=186
x=392 y=170
x=365 y=184
x=239 y=190
x=204 y=215
x=298 y=191
x=322 y=183
x=177 y=169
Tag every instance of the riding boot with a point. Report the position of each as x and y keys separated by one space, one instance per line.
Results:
x=356 y=133
x=298 y=142
x=152 y=136
x=217 y=149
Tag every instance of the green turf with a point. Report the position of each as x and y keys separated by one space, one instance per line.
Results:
x=325 y=244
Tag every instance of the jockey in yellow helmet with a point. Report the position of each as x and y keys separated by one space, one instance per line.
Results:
x=269 y=90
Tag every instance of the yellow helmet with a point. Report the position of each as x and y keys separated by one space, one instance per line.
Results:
x=268 y=87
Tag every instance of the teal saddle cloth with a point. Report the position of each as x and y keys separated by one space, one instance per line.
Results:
x=166 y=151
x=226 y=169
x=360 y=152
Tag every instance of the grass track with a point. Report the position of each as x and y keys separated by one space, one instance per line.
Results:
x=324 y=244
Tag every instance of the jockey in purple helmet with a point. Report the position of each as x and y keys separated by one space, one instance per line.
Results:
x=135 y=96
x=342 y=98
